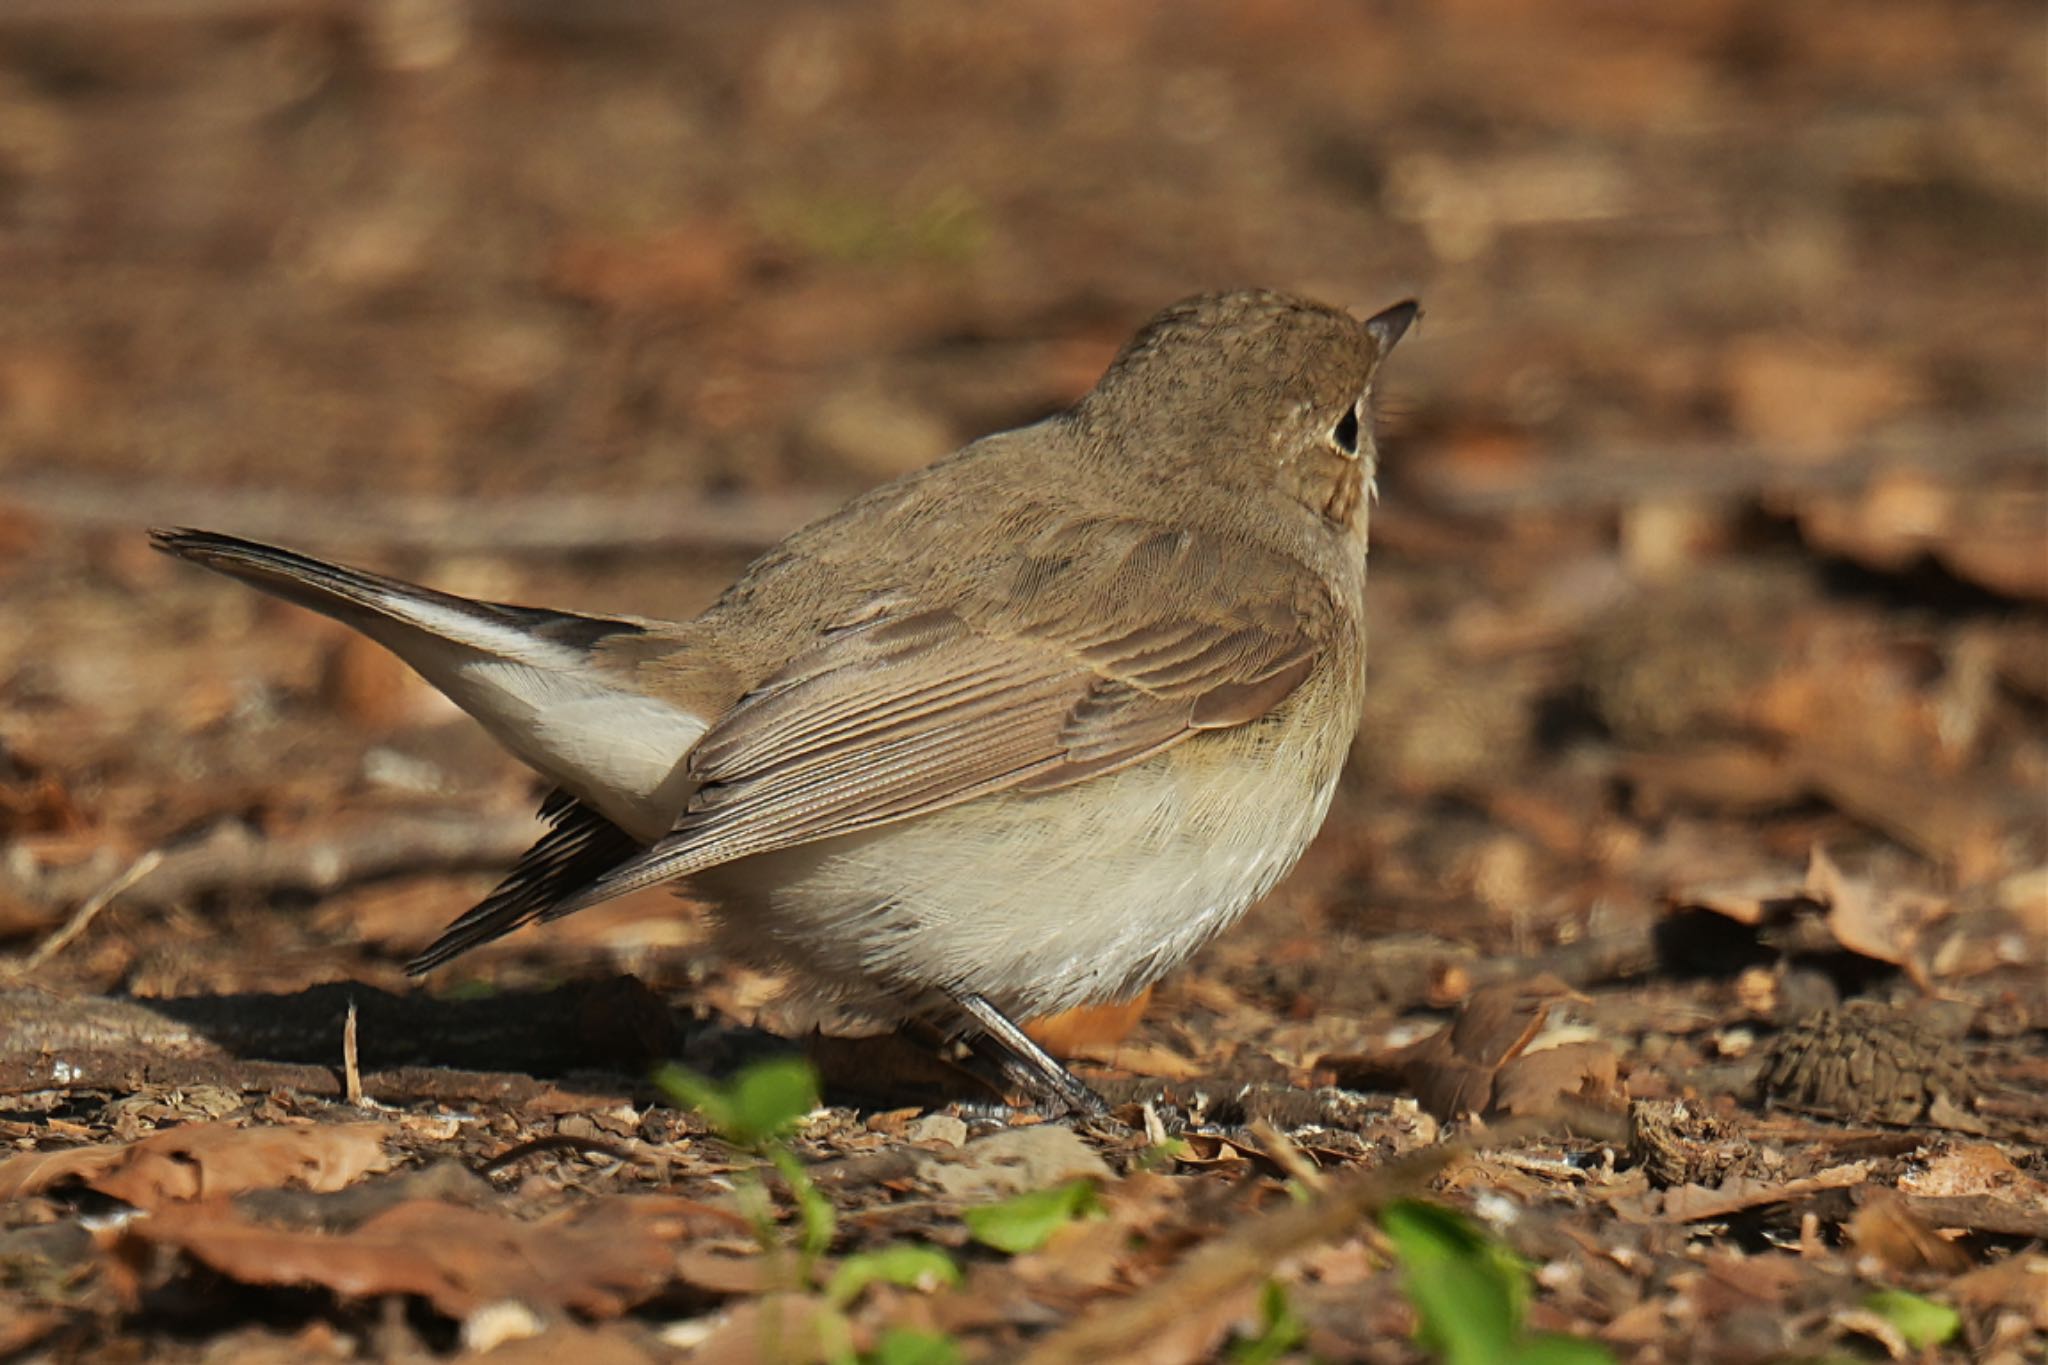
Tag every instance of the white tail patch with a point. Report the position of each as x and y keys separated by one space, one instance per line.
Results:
x=482 y=634
x=620 y=751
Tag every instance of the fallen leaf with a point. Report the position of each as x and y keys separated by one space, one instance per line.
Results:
x=33 y=1172
x=1011 y=1163
x=728 y=1271
x=565 y=1341
x=1885 y=924
x=678 y=270
x=1159 y=1063
x=1538 y=1083
x=1975 y=1168
x=1696 y=1203
x=207 y=1161
x=601 y=1258
x=22 y=1327
x=1885 y=1229
x=1454 y=1072
x=2018 y=1282
x=1755 y=899
x=779 y=1327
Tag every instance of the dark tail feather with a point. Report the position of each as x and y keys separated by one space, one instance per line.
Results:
x=361 y=598
x=581 y=847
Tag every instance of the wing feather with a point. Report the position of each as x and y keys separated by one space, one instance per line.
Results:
x=899 y=712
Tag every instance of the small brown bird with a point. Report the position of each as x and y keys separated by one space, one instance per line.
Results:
x=1018 y=732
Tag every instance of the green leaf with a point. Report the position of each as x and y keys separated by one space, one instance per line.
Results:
x=1465 y=1295
x=814 y=1211
x=1470 y=1292
x=913 y=1267
x=1024 y=1223
x=1280 y=1330
x=1162 y=1155
x=764 y=1102
x=769 y=1099
x=906 y=1346
x=1922 y=1322
x=1553 y=1349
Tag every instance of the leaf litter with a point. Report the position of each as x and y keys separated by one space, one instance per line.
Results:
x=1683 y=922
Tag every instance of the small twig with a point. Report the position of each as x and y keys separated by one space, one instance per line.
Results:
x=351 y=1066
x=87 y=912
x=554 y=1142
x=1282 y=1152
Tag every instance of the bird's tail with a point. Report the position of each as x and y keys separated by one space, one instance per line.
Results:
x=533 y=677
x=390 y=609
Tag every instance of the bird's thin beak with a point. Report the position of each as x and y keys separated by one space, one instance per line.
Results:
x=1390 y=324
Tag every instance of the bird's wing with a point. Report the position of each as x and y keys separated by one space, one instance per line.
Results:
x=1115 y=655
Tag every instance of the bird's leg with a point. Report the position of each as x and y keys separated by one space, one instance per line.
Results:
x=1000 y=1043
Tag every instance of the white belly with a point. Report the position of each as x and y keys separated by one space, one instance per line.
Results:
x=1037 y=902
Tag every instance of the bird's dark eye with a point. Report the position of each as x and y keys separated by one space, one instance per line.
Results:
x=1346 y=432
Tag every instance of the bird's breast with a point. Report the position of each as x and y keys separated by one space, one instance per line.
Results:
x=1045 y=901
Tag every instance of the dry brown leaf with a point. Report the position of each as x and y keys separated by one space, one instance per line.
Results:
x=1887 y=1230
x=1159 y=1063
x=1967 y=826
x=682 y=268
x=729 y=1270
x=1975 y=1168
x=1497 y=1022
x=1012 y=1162
x=1733 y=777
x=1637 y=1325
x=778 y=1327
x=1455 y=1072
x=1988 y=532
x=1757 y=1279
x=1093 y=1253
x=2018 y=1282
x=1213 y=1149
x=1070 y=1032
x=1882 y=924
x=1538 y=1083
x=22 y=1327
x=1747 y=900
x=566 y=1341
x=1694 y=1203
x=600 y=1259
x=33 y=1172
x=208 y=1161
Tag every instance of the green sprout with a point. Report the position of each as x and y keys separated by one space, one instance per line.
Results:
x=758 y=1111
x=1470 y=1292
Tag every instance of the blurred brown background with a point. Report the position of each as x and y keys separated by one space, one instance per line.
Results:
x=1714 y=520
x=1704 y=775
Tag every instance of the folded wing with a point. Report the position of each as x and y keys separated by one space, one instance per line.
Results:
x=909 y=709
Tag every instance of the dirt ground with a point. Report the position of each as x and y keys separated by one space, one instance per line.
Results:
x=1702 y=790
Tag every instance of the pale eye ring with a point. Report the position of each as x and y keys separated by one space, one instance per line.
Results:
x=1345 y=433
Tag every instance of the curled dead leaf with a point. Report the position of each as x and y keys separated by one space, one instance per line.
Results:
x=1884 y=923
x=599 y=1259
x=207 y=1161
x=1542 y=1082
x=1886 y=1229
